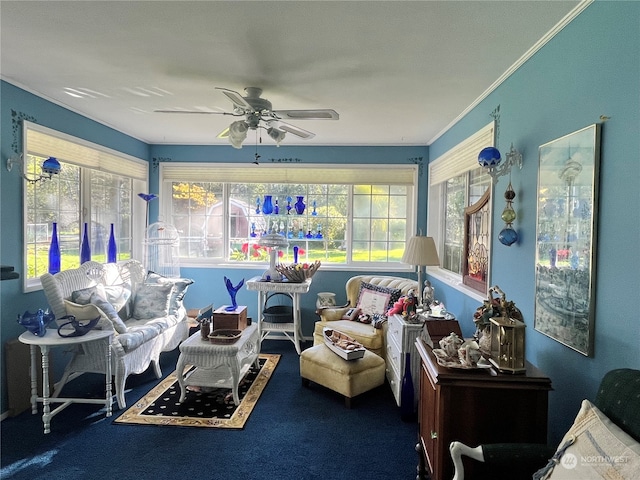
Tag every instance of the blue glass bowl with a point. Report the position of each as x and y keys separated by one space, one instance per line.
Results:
x=489 y=157
x=37 y=322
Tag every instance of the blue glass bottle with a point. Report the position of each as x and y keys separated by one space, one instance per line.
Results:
x=407 y=413
x=112 y=247
x=54 y=251
x=85 y=248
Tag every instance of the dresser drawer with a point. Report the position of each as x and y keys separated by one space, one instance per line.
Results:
x=394 y=352
x=395 y=382
x=395 y=330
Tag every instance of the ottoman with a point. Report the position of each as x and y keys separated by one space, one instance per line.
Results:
x=349 y=378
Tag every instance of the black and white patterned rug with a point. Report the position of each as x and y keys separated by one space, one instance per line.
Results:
x=202 y=407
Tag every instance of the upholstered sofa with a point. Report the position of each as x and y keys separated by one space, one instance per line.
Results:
x=603 y=442
x=372 y=338
x=144 y=309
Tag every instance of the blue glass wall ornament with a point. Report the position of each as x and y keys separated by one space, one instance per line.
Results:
x=489 y=157
x=54 y=251
x=508 y=236
x=85 y=247
x=112 y=247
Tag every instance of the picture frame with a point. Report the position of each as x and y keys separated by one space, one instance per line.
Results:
x=567 y=202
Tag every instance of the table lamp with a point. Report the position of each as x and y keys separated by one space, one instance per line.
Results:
x=421 y=252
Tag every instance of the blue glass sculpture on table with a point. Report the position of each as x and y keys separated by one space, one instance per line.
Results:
x=37 y=322
x=79 y=329
x=233 y=292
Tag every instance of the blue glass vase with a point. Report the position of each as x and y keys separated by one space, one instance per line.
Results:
x=112 y=247
x=54 y=251
x=267 y=205
x=407 y=413
x=299 y=205
x=85 y=247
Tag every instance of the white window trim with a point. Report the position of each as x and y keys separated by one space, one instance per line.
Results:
x=46 y=142
x=321 y=173
x=458 y=160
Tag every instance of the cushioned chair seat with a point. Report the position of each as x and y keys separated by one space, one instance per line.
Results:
x=349 y=378
x=369 y=337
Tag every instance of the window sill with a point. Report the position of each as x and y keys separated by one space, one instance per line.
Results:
x=455 y=282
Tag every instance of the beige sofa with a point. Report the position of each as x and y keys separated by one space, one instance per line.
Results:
x=373 y=339
x=145 y=311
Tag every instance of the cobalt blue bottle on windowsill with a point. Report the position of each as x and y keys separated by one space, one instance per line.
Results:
x=54 y=251
x=85 y=248
x=112 y=247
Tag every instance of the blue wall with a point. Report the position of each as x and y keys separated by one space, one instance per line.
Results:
x=591 y=68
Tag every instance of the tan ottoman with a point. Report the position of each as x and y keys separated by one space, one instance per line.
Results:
x=349 y=378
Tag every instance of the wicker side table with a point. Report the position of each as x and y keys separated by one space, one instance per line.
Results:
x=220 y=366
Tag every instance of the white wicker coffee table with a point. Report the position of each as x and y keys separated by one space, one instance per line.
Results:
x=220 y=366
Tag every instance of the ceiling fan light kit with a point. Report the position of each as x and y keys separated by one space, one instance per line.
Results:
x=258 y=113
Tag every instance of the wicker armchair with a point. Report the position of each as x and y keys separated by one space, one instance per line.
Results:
x=618 y=405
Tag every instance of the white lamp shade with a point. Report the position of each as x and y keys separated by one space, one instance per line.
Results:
x=421 y=251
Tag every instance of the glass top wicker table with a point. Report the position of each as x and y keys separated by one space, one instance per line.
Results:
x=294 y=290
x=217 y=365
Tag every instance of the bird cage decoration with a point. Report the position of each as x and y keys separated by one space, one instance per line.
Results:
x=162 y=255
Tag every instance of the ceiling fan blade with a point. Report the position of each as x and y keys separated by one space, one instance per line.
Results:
x=200 y=112
x=318 y=114
x=237 y=99
x=287 y=127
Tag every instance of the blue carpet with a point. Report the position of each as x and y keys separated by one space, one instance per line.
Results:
x=294 y=433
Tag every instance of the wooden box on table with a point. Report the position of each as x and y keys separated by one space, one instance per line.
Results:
x=230 y=320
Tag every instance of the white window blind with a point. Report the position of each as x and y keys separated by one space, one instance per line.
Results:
x=461 y=158
x=79 y=152
x=296 y=174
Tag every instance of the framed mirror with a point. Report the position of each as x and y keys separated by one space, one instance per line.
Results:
x=566 y=238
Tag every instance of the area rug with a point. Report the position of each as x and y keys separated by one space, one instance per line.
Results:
x=206 y=407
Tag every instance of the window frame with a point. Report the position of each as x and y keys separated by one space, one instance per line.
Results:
x=461 y=159
x=345 y=174
x=41 y=141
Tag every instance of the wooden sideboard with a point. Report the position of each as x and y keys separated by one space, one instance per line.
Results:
x=475 y=407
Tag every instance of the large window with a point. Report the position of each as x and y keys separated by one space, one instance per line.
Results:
x=456 y=181
x=345 y=221
x=94 y=186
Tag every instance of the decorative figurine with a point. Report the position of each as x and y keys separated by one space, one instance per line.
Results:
x=232 y=292
x=79 y=329
x=37 y=322
x=428 y=295
x=410 y=305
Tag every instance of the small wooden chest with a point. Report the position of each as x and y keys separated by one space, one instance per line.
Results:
x=233 y=320
x=438 y=329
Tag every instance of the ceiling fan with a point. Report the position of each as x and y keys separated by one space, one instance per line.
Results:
x=258 y=113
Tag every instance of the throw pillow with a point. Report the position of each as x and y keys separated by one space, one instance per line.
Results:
x=374 y=299
x=152 y=301
x=180 y=284
x=96 y=296
x=593 y=448
x=118 y=295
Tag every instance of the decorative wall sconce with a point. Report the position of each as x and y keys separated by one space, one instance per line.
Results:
x=490 y=158
x=51 y=166
x=508 y=236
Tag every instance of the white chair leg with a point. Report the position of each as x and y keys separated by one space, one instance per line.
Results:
x=458 y=449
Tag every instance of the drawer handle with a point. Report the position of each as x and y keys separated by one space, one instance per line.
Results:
x=434 y=435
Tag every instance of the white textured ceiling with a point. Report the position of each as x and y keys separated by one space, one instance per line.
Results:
x=398 y=72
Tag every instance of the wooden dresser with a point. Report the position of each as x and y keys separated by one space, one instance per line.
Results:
x=474 y=407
